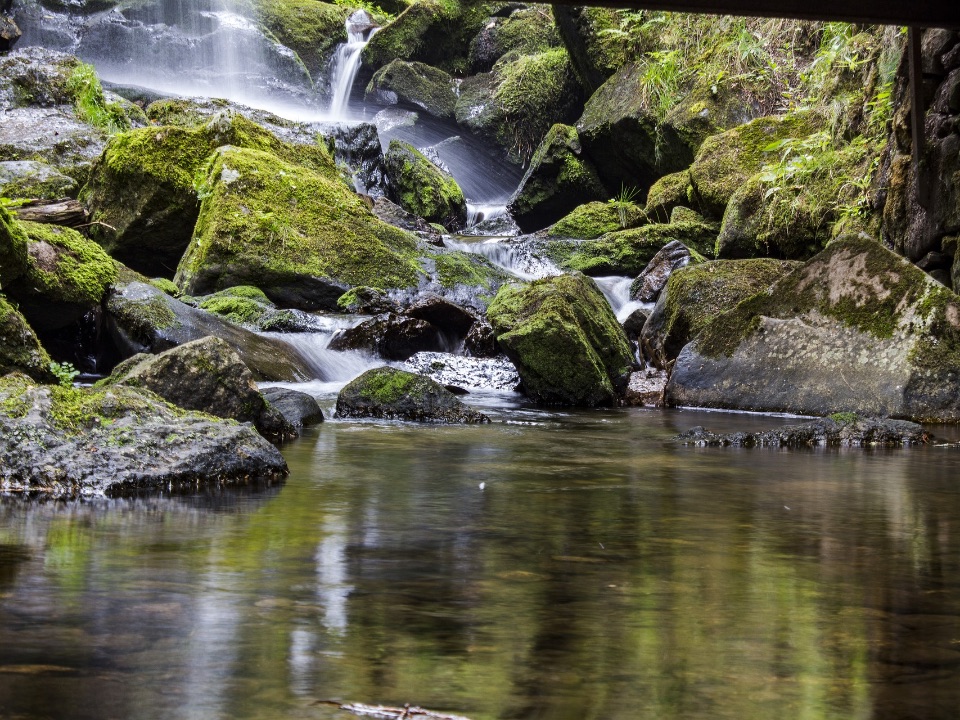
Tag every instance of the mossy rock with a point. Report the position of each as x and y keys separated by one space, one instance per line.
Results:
x=400 y=395
x=301 y=236
x=589 y=34
x=558 y=180
x=414 y=83
x=591 y=220
x=143 y=192
x=420 y=187
x=856 y=329
x=696 y=294
x=627 y=252
x=564 y=340
x=66 y=276
x=725 y=162
x=13 y=248
x=20 y=349
x=311 y=29
x=178 y=111
x=28 y=179
x=665 y=194
x=249 y=307
x=526 y=31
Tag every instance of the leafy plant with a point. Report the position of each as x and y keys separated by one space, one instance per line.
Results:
x=623 y=203
x=64 y=372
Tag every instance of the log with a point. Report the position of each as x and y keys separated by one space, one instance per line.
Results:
x=65 y=212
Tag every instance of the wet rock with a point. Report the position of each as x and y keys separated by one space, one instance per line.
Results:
x=645 y=388
x=357 y=146
x=558 y=180
x=448 y=317
x=20 y=350
x=465 y=372
x=205 y=375
x=367 y=301
x=420 y=187
x=297 y=408
x=391 y=337
x=696 y=294
x=564 y=340
x=391 y=213
x=841 y=429
x=30 y=179
x=109 y=441
x=140 y=318
x=413 y=83
x=633 y=325
x=649 y=283
x=857 y=328
x=481 y=341
x=249 y=307
x=9 y=33
x=399 y=395
x=311 y=29
x=53 y=136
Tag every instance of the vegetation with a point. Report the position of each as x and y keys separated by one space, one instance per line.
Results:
x=90 y=104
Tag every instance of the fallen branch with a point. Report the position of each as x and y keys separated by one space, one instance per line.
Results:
x=390 y=713
x=59 y=212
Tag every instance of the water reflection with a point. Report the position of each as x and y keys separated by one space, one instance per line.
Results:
x=601 y=572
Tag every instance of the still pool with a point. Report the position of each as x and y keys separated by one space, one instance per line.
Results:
x=549 y=566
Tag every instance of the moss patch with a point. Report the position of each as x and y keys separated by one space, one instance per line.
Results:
x=591 y=220
x=20 y=350
x=417 y=84
x=420 y=187
x=13 y=248
x=65 y=266
x=311 y=29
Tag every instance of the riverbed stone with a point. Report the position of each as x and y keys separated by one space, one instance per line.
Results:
x=392 y=337
x=413 y=83
x=422 y=188
x=450 y=318
x=400 y=395
x=839 y=430
x=564 y=339
x=67 y=442
x=20 y=349
x=856 y=329
x=206 y=375
x=298 y=408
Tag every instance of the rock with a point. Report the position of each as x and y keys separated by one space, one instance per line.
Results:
x=28 y=179
x=646 y=288
x=564 y=340
x=557 y=181
x=667 y=193
x=420 y=187
x=13 y=248
x=480 y=341
x=593 y=219
x=299 y=234
x=413 y=83
x=140 y=318
x=205 y=375
x=297 y=408
x=66 y=276
x=645 y=388
x=525 y=31
x=66 y=442
x=357 y=146
x=393 y=214
x=465 y=372
x=51 y=135
x=399 y=395
x=391 y=337
x=583 y=30
x=20 y=350
x=367 y=301
x=634 y=323
x=450 y=318
x=857 y=328
x=841 y=429
x=696 y=294
x=249 y=307
x=9 y=33
x=311 y=29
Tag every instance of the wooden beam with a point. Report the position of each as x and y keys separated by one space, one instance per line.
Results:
x=917 y=112
x=916 y=13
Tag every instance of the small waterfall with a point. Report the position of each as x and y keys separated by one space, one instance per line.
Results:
x=510 y=255
x=617 y=291
x=331 y=368
x=346 y=61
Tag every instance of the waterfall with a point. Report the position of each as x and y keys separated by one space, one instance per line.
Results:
x=346 y=61
x=513 y=256
x=617 y=291
x=331 y=368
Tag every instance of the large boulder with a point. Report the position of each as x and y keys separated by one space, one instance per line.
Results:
x=558 y=180
x=390 y=337
x=140 y=318
x=297 y=408
x=206 y=375
x=420 y=187
x=249 y=307
x=400 y=395
x=586 y=32
x=109 y=441
x=525 y=31
x=301 y=236
x=413 y=83
x=564 y=339
x=593 y=219
x=696 y=294
x=857 y=328
x=20 y=350
x=309 y=28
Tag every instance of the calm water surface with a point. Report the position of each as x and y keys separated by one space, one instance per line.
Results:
x=601 y=573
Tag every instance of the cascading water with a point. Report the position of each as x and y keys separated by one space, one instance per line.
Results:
x=617 y=291
x=346 y=62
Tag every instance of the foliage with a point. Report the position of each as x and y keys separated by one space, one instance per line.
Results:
x=90 y=103
x=624 y=204
x=64 y=373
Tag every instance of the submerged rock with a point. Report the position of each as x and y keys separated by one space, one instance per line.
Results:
x=399 y=395
x=93 y=441
x=205 y=375
x=297 y=408
x=564 y=340
x=841 y=429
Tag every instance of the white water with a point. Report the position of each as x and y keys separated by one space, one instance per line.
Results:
x=346 y=62
x=332 y=368
x=617 y=291
x=512 y=256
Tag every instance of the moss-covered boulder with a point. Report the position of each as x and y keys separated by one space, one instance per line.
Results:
x=28 y=179
x=250 y=307
x=301 y=236
x=725 y=162
x=587 y=33
x=694 y=295
x=558 y=180
x=399 y=395
x=20 y=350
x=593 y=219
x=69 y=442
x=66 y=276
x=413 y=83
x=13 y=248
x=667 y=193
x=525 y=31
x=855 y=329
x=420 y=187
x=564 y=339
x=206 y=375
x=311 y=29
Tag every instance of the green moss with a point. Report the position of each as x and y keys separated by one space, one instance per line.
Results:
x=459 y=268
x=13 y=248
x=591 y=220
x=90 y=104
x=526 y=31
x=167 y=286
x=419 y=84
x=386 y=385
x=311 y=29
x=67 y=266
x=20 y=350
x=665 y=194
x=844 y=418
x=76 y=410
x=241 y=311
x=422 y=188
x=176 y=111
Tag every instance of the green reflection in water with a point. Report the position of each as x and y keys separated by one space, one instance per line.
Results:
x=602 y=572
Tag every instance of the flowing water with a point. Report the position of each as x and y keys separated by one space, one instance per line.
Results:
x=346 y=62
x=600 y=572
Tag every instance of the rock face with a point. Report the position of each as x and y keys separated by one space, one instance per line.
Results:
x=399 y=395
x=205 y=375
x=856 y=329
x=297 y=408
x=420 y=187
x=557 y=181
x=413 y=83
x=842 y=429
x=81 y=441
x=581 y=29
x=564 y=339
x=20 y=350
